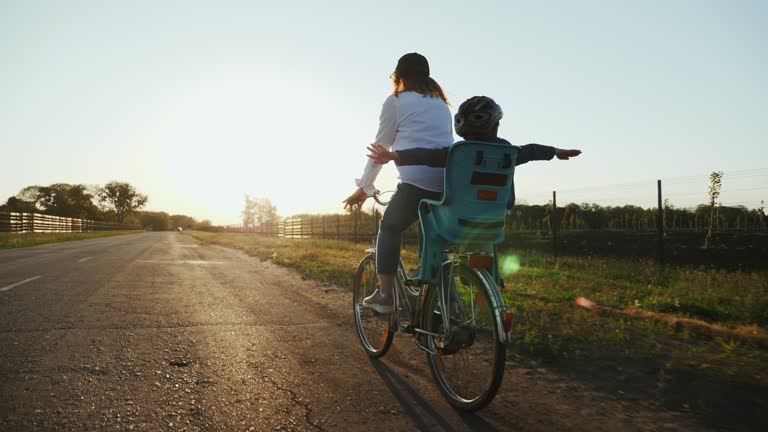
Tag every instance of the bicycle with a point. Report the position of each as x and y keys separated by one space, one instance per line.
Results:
x=453 y=307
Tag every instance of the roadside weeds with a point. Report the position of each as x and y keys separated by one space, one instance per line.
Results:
x=717 y=369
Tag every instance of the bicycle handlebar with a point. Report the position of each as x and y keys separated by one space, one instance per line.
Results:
x=375 y=197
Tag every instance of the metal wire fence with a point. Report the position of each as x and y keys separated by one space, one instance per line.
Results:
x=720 y=235
x=356 y=227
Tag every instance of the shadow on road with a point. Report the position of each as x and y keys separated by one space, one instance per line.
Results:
x=419 y=410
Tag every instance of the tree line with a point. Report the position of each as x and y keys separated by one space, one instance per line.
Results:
x=116 y=202
x=260 y=212
x=630 y=217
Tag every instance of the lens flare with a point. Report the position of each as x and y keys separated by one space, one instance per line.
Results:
x=509 y=265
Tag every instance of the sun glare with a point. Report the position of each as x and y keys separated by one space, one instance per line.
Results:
x=261 y=135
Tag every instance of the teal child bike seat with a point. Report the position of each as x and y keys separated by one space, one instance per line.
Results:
x=479 y=188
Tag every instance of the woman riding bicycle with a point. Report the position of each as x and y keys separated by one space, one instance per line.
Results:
x=415 y=115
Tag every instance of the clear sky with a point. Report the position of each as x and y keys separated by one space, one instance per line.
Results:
x=198 y=102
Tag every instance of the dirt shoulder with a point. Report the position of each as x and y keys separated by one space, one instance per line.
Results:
x=656 y=370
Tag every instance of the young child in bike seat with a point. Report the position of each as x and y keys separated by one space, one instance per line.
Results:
x=477 y=120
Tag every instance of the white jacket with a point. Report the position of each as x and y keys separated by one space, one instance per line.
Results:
x=411 y=120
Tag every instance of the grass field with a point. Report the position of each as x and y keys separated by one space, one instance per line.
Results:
x=692 y=339
x=14 y=240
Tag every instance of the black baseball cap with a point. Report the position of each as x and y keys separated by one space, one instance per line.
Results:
x=412 y=65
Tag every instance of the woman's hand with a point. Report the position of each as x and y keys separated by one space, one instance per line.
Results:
x=355 y=200
x=381 y=156
x=565 y=154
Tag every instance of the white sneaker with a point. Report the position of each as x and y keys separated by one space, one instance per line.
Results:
x=378 y=302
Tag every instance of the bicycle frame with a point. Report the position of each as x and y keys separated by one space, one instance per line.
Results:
x=402 y=292
x=497 y=301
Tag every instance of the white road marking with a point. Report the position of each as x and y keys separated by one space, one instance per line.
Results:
x=6 y=288
x=199 y=262
x=84 y=259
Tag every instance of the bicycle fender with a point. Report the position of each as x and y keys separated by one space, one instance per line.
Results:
x=498 y=302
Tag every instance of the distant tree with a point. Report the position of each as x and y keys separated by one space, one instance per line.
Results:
x=249 y=212
x=29 y=194
x=183 y=221
x=131 y=219
x=123 y=198
x=715 y=182
x=594 y=215
x=266 y=212
x=62 y=199
x=205 y=223
x=17 y=205
x=258 y=212
x=156 y=221
x=58 y=199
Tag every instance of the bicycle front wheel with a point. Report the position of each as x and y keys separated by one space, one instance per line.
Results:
x=375 y=330
x=467 y=359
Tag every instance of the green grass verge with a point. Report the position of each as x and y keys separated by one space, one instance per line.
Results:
x=652 y=326
x=714 y=296
x=13 y=240
x=703 y=293
x=324 y=260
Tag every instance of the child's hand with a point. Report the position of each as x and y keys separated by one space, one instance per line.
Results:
x=565 y=154
x=380 y=155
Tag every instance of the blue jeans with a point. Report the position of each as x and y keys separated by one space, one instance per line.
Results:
x=402 y=211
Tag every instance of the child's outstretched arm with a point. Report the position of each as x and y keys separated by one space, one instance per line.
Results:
x=563 y=154
x=432 y=157
x=380 y=155
x=531 y=152
x=436 y=157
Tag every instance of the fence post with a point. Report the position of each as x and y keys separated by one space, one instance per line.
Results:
x=554 y=221
x=322 y=226
x=354 y=238
x=660 y=228
x=338 y=222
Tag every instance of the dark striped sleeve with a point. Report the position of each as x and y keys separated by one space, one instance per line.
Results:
x=433 y=157
x=531 y=152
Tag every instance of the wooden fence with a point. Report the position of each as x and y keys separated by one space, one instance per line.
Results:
x=356 y=227
x=41 y=223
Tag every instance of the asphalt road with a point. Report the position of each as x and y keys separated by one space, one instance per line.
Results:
x=155 y=331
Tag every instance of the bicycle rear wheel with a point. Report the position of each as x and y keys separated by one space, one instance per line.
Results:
x=375 y=330
x=467 y=362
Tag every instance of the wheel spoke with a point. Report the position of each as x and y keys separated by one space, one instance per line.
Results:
x=469 y=363
x=375 y=332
